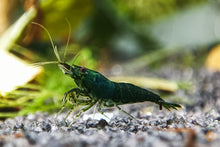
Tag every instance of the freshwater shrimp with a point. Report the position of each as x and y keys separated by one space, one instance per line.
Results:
x=100 y=90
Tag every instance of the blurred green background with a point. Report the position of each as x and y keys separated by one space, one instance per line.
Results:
x=117 y=37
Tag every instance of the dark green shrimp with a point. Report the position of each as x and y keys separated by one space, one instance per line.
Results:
x=99 y=90
x=107 y=93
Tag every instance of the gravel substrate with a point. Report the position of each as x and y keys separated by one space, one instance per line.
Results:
x=161 y=129
x=194 y=125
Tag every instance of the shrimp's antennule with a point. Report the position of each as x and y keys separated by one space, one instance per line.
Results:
x=51 y=40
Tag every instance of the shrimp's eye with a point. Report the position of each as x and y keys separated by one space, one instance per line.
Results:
x=83 y=69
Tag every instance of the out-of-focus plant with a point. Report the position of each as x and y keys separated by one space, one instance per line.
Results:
x=45 y=92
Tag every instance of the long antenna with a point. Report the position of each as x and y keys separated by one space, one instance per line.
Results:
x=68 y=40
x=51 y=40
